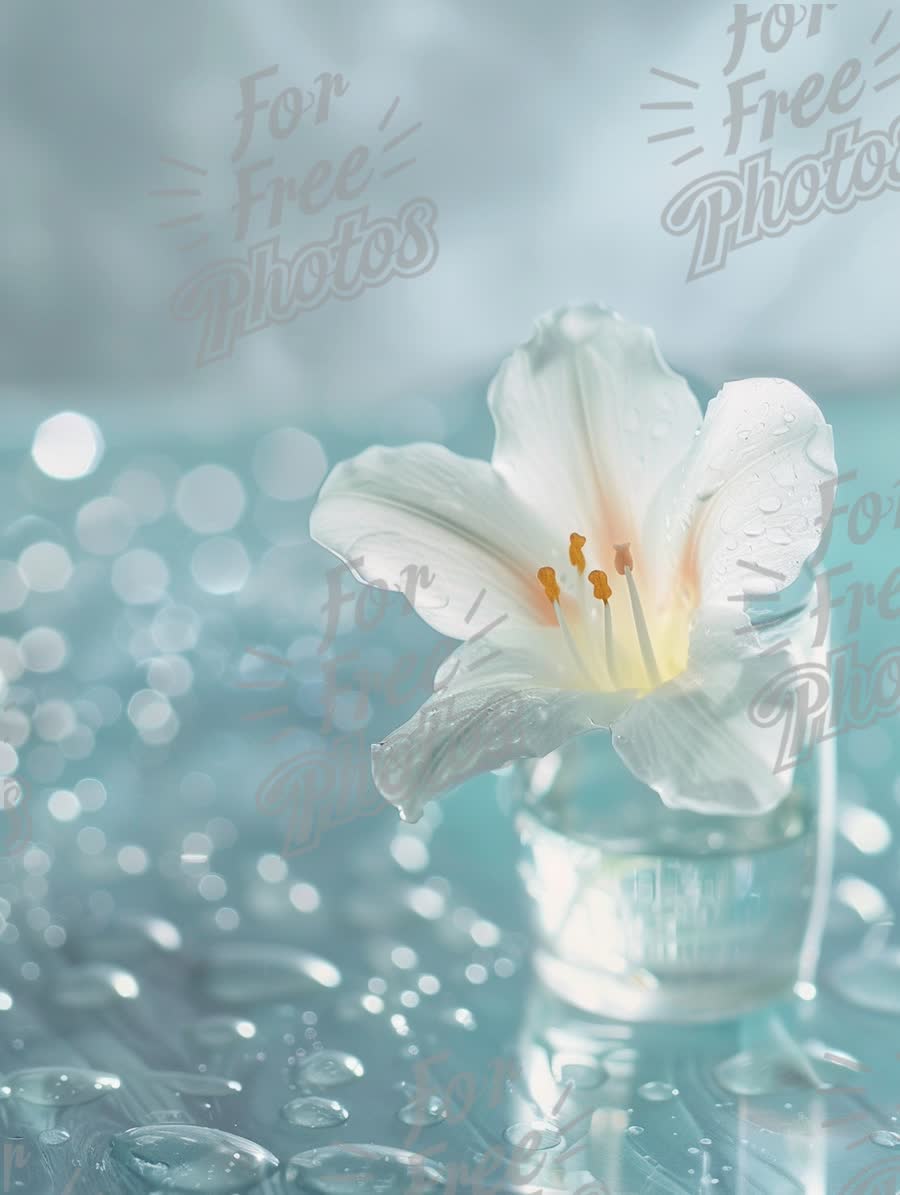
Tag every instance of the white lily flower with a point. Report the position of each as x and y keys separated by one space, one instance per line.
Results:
x=595 y=569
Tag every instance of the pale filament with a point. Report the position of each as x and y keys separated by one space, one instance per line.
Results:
x=547 y=578
x=601 y=592
x=609 y=645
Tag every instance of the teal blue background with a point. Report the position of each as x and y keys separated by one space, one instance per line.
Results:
x=534 y=149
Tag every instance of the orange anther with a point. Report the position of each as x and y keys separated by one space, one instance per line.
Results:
x=600 y=582
x=623 y=558
x=576 y=553
x=547 y=578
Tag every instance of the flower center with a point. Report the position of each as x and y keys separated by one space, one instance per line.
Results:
x=607 y=657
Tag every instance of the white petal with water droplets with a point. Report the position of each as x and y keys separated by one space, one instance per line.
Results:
x=695 y=740
x=744 y=512
x=440 y=528
x=589 y=421
x=496 y=700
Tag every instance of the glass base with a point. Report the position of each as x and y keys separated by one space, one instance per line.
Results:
x=645 y=914
x=642 y=996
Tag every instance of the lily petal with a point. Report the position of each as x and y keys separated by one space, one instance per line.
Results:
x=746 y=510
x=589 y=420
x=495 y=700
x=693 y=739
x=448 y=523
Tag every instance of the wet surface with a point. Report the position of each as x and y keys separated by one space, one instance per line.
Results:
x=201 y=992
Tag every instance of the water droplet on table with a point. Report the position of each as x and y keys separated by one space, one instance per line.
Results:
x=657 y=1092
x=53 y=1137
x=330 y=1068
x=885 y=1138
x=189 y=1083
x=219 y=1031
x=132 y=936
x=248 y=973
x=424 y=1112
x=766 y=1070
x=869 y=980
x=192 y=1158
x=315 y=1112
x=379 y=1169
x=94 y=985
x=58 y=1087
x=533 y=1135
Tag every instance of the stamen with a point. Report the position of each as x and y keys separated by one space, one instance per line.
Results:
x=547 y=578
x=576 y=553
x=570 y=643
x=623 y=558
x=640 y=623
x=549 y=583
x=608 y=644
x=603 y=593
x=600 y=582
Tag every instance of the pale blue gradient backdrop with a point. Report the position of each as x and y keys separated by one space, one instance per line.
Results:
x=534 y=148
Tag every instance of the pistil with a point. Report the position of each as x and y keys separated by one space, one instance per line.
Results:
x=625 y=568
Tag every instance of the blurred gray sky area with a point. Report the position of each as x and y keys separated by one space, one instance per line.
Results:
x=522 y=130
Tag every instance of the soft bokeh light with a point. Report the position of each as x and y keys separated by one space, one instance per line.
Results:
x=289 y=464
x=67 y=446
x=210 y=499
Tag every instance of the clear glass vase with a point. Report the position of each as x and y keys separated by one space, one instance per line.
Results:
x=645 y=913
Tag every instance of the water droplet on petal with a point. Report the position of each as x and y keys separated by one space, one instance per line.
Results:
x=820 y=451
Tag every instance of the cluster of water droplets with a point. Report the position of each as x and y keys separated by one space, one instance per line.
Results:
x=224 y=1015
